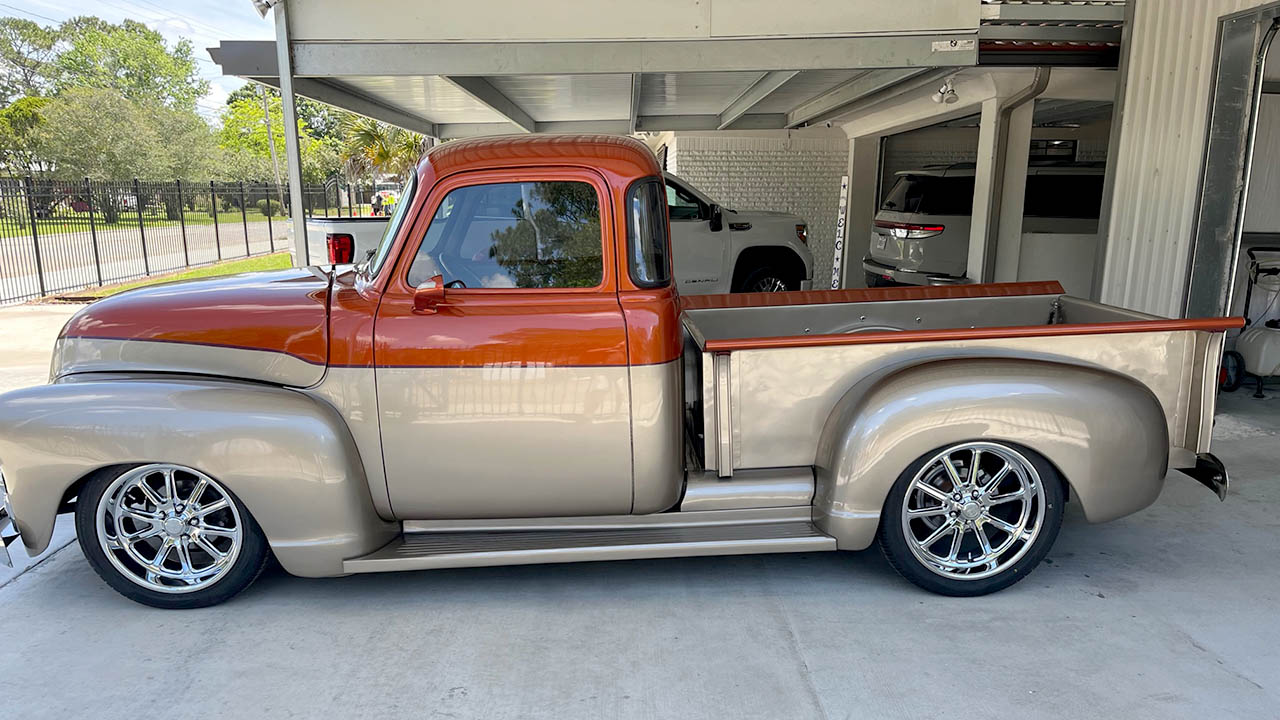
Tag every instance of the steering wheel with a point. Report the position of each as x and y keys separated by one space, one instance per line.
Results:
x=455 y=284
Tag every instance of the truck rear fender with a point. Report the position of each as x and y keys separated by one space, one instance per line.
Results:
x=1105 y=433
x=287 y=456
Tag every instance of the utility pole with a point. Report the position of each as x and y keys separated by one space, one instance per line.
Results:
x=271 y=144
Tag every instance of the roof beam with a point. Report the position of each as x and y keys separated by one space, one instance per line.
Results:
x=341 y=58
x=762 y=88
x=486 y=94
x=634 y=112
x=652 y=123
x=867 y=83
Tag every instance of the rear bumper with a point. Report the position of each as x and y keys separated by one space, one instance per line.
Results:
x=1210 y=472
x=909 y=277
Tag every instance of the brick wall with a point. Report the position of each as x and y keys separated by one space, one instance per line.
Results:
x=782 y=172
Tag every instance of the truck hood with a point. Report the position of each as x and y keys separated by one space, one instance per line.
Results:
x=270 y=327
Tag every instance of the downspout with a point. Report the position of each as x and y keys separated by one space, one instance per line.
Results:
x=1037 y=87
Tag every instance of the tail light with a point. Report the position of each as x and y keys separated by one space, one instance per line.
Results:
x=342 y=248
x=909 y=231
x=802 y=233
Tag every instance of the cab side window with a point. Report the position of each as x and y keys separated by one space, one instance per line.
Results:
x=682 y=205
x=542 y=234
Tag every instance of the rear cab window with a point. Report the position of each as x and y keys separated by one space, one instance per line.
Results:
x=648 y=249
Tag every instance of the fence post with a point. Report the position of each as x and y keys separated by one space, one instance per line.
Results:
x=93 y=230
x=182 y=221
x=137 y=196
x=213 y=208
x=351 y=208
x=35 y=237
x=244 y=217
x=270 y=235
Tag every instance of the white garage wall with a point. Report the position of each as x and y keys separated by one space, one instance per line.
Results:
x=1161 y=145
x=770 y=170
x=1262 y=213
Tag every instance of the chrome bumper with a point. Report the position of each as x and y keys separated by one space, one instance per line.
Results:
x=909 y=277
x=1210 y=472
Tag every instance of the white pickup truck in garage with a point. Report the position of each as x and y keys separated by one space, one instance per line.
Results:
x=715 y=249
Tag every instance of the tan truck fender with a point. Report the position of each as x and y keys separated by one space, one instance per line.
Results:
x=1106 y=434
x=287 y=456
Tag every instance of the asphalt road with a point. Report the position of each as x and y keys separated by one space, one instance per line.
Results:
x=68 y=258
x=1170 y=613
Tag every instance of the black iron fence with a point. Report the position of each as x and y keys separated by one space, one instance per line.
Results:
x=60 y=236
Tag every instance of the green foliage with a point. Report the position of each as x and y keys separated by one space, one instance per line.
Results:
x=322 y=122
x=102 y=135
x=129 y=58
x=269 y=208
x=372 y=145
x=25 y=52
x=247 y=146
x=558 y=244
x=19 y=125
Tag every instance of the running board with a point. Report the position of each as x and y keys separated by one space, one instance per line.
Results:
x=432 y=550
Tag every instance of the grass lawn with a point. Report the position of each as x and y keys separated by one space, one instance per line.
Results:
x=276 y=261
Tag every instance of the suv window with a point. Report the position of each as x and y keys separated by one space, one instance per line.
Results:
x=931 y=195
x=682 y=204
x=1064 y=196
x=514 y=235
x=647 y=243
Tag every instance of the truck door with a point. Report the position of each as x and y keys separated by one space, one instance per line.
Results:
x=698 y=254
x=508 y=397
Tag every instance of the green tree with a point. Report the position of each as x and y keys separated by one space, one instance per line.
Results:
x=323 y=122
x=385 y=148
x=26 y=50
x=246 y=146
x=129 y=58
x=20 y=123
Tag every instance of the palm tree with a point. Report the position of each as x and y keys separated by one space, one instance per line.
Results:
x=372 y=145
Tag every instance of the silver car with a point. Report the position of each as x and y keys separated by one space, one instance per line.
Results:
x=921 y=232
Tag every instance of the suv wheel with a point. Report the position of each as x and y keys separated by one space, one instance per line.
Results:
x=767 y=279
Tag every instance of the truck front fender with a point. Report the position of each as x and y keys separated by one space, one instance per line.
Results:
x=1106 y=434
x=289 y=457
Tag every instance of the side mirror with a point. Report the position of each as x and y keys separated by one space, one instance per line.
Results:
x=717 y=218
x=428 y=296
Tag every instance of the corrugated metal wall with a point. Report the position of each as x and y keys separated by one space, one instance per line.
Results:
x=1157 y=165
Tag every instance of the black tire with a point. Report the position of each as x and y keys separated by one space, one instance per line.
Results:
x=895 y=546
x=766 y=276
x=249 y=564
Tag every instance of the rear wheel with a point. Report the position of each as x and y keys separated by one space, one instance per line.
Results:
x=972 y=518
x=767 y=279
x=169 y=536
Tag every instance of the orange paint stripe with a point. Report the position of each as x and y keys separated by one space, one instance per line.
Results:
x=824 y=297
x=908 y=336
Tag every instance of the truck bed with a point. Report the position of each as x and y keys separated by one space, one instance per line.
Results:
x=763 y=372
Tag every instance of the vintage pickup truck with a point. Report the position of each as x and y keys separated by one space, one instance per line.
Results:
x=538 y=392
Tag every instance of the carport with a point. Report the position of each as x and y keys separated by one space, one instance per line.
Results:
x=725 y=67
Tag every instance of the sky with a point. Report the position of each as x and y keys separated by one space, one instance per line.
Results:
x=204 y=22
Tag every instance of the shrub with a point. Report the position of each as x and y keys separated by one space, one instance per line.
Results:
x=269 y=208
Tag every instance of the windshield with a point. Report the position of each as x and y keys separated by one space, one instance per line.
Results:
x=380 y=254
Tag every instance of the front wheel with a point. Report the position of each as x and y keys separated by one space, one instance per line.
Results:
x=169 y=536
x=972 y=518
x=767 y=279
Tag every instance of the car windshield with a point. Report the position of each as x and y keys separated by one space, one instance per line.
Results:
x=379 y=257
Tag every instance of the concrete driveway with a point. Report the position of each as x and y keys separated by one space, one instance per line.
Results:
x=1171 y=613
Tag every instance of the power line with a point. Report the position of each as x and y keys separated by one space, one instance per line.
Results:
x=28 y=12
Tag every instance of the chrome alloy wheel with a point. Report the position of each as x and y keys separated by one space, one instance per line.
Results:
x=768 y=283
x=169 y=528
x=973 y=510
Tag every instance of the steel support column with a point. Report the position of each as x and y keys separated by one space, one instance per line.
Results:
x=292 y=148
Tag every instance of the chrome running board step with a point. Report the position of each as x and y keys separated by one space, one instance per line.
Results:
x=428 y=550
